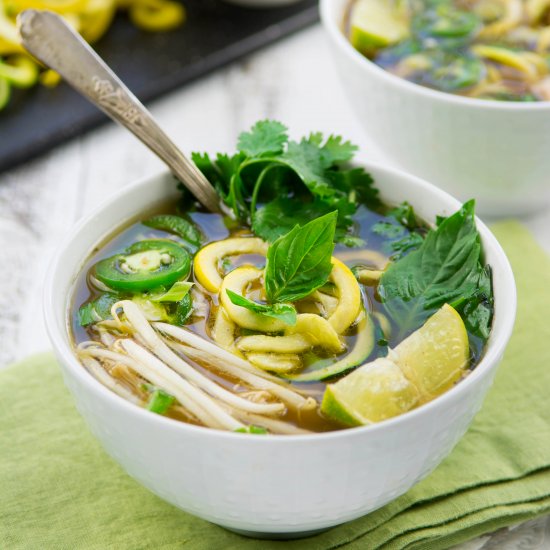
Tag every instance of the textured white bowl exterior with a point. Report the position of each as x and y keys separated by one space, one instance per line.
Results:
x=272 y=484
x=495 y=151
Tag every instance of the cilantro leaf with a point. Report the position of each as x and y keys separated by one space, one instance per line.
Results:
x=284 y=312
x=401 y=230
x=406 y=244
x=279 y=216
x=388 y=230
x=204 y=163
x=267 y=137
x=336 y=151
x=300 y=262
x=357 y=183
x=312 y=171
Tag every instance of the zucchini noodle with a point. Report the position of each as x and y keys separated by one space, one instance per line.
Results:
x=275 y=346
x=91 y=18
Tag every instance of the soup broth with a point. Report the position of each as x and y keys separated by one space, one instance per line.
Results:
x=176 y=312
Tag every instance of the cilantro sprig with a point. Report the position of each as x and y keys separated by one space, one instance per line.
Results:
x=273 y=183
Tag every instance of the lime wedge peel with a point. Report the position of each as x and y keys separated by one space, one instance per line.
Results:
x=423 y=366
x=375 y=24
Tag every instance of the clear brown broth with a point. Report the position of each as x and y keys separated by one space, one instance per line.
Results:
x=215 y=227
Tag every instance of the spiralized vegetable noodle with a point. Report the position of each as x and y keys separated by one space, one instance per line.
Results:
x=91 y=18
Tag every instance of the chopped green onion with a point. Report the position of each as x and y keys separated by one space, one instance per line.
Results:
x=176 y=293
x=160 y=401
x=252 y=430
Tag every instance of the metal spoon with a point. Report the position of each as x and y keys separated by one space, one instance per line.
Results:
x=48 y=38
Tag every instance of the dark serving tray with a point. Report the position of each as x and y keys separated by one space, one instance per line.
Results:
x=214 y=34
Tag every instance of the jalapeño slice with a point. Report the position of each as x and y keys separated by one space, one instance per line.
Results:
x=145 y=265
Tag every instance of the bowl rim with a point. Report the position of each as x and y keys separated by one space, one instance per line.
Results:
x=65 y=353
x=329 y=19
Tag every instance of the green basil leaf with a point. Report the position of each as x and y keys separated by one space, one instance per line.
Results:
x=179 y=226
x=300 y=262
x=160 y=401
x=176 y=293
x=98 y=309
x=283 y=312
x=445 y=269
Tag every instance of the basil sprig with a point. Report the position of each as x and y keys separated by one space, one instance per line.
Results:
x=446 y=268
x=300 y=261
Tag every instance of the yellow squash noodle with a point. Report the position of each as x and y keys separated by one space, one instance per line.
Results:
x=275 y=362
x=208 y=259
x=91 y=18
x=156 y=15
x=513 y=11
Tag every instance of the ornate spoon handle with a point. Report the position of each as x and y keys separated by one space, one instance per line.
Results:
x=50 y=39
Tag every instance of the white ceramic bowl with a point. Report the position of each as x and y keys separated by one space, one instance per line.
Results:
x=495 y=151
x=277 y=485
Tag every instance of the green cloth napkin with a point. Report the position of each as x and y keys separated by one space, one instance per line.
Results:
x=59 y=490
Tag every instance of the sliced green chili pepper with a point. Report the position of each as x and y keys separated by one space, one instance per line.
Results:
x=145 y=265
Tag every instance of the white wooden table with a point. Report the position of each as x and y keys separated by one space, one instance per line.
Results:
x=293 y=81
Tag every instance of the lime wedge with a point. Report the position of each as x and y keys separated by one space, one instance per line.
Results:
x=423 y=366
x=375 y=24
x=434 y=357
x=372 y=393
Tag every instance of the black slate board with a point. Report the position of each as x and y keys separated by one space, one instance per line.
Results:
x=214 y=34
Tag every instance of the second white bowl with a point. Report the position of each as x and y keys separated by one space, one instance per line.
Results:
x=495 y=151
